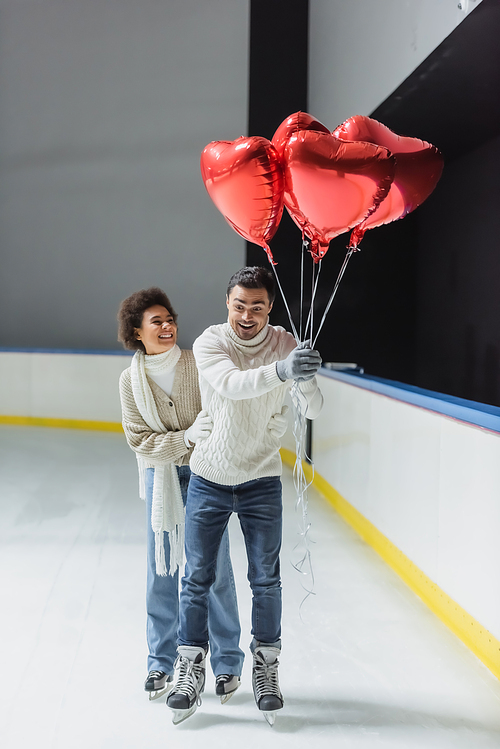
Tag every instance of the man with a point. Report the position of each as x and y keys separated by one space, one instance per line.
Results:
x=246 y=367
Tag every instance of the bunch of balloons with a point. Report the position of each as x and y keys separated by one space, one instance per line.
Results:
x=359 y=176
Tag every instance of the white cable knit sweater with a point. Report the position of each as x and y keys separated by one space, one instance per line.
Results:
x=241 y=391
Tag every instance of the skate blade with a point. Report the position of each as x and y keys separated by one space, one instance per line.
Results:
x=225 y=697
x=270 y=716
x=156 y=694
x=180 y=715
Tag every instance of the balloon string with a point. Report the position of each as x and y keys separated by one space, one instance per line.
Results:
x=304 y=564
x=304 y=246
x=286 y=305
x=350 y=251
x=312 y=300
x=313 y=297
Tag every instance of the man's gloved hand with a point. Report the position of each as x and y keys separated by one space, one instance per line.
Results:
x=200 y=429
x=301 y=364
x=278 y=423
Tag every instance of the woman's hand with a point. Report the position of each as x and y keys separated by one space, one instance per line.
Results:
x=278 y=423
x=200 y=429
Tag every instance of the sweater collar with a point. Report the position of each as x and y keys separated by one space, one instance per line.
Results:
x=250 y=347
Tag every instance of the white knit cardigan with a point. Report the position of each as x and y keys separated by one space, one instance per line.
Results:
x=157 y=449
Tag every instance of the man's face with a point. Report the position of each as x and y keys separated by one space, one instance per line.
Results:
x=248 y=311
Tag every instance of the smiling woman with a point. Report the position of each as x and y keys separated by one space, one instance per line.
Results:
x=158 y=331
x=144 y=312
x=162 y=421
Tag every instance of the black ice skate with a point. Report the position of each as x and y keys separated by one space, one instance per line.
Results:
x=158 y=684
x=189 y=682
x=265 y=683
x=225 y=686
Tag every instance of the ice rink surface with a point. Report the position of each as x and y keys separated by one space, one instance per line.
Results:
x=364 y=662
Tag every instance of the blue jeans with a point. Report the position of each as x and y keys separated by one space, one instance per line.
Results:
x=162 y=603
x=209 y=506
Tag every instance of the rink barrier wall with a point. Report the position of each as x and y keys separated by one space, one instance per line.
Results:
x=61 y=388
x=471 y=632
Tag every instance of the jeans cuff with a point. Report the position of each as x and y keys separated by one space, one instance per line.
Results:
x=257 y=643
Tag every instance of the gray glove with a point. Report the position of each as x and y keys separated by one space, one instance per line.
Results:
x=301 y=364
x=200 y=429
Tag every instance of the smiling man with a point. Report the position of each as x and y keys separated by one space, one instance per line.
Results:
x=246 y=367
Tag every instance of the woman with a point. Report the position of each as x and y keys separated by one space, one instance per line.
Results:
x=162 y=421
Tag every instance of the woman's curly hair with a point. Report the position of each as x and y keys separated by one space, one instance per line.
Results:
x=132 y=310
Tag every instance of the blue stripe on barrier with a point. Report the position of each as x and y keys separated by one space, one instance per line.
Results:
x=91 y=352
x=471 y=412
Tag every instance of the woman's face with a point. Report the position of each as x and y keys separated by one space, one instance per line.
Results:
x=158 y=331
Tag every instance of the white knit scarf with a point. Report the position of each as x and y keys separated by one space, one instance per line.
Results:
x=167 y=511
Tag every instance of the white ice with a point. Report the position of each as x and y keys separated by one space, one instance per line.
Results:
x=364 y=662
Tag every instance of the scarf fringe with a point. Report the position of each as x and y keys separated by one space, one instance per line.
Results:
x=176 y=540
x=161 y=568
x=157 y=509
x=176 y=543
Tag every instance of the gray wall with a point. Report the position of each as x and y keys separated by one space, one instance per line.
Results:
x=105 y=107
x=361 y=50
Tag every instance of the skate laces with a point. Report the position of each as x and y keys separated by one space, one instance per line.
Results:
x=223 y=678
x=189 y=677
x=156 y=674
x=265 y=677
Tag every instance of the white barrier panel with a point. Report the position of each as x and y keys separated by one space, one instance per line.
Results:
x=74 y=386
x=429 y=483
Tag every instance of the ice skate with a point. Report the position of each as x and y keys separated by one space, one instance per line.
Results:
x=158 y=684
x=189 y=682
x=265 y=683
x=225 y=686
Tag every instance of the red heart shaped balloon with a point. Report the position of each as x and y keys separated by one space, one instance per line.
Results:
x=244 y=178
x=418 y=168
x=294 y=123
x=332 y=185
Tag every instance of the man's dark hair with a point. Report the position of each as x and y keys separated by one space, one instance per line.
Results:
x=132 y=310
x=253 y=277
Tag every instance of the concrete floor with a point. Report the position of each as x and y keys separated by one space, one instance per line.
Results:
x=364 y=662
